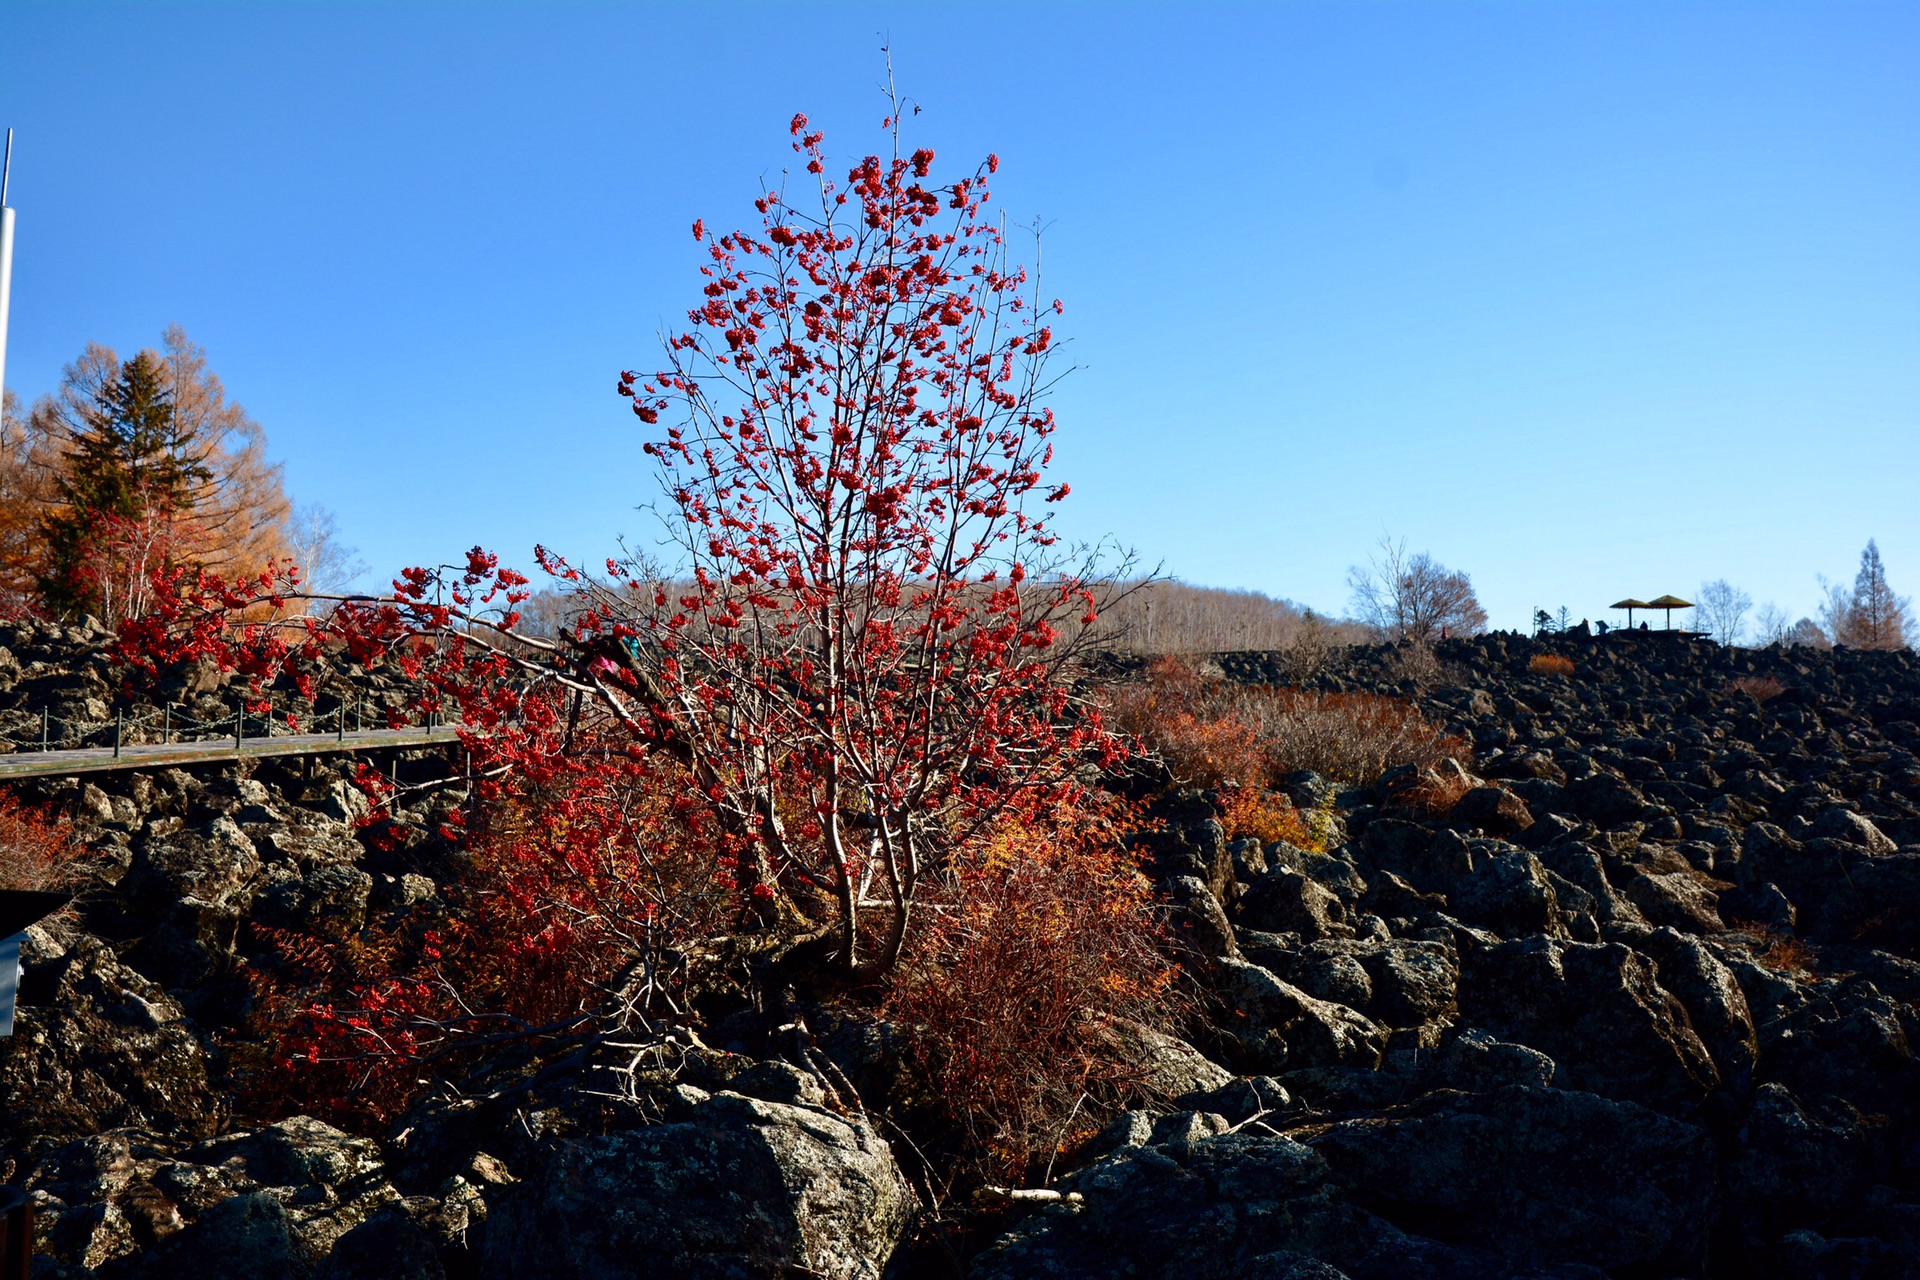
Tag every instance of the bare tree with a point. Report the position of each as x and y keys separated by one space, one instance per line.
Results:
x=327 y=566
x=1721 y=610
x=1772 y=624
x=1413 y=597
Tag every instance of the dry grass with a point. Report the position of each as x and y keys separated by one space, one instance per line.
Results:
x=1550 y=664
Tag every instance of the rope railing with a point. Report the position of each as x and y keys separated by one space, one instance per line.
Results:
x=170 y=723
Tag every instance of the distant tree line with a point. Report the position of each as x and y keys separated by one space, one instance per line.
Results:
x=1164 y=617
x=1867 y=615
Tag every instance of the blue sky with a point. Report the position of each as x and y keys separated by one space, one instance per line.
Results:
x=1586 y=299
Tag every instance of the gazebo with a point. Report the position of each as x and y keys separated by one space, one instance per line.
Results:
x=1630 y=604
x=1669 y=603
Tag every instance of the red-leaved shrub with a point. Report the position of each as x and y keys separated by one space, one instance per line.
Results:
x=37 y=849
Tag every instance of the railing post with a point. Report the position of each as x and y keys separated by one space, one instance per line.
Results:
x=166 y=724
x=239 y=727
x=45 y=715
x=119 y=723
x=342 y=736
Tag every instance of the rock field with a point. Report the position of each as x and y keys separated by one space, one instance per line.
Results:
x=1642 y=1004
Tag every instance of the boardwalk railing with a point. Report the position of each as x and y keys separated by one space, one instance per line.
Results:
x=165 y=755
x=78 y=749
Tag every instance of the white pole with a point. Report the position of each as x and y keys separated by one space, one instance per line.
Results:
x=6 y=259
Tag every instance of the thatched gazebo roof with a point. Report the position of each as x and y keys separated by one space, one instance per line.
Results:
x=1630 y=604
x=1669 y=603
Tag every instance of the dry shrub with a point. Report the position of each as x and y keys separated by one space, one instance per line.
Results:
x=1178 y=713
x=1780 y=951
x=1351 y=737
x=1027 y=986
x=1210 y=731
x=37 y=850
x=1436 y=791
x=1550 y=664
x=1759 y=688
x=1788 y=954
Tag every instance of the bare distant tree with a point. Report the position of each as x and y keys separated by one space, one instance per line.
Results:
x=1772 y=624
x=326 y=564
x=1870 y=616
x=1312 y=647
x=1413 y=597
x=1721 y=609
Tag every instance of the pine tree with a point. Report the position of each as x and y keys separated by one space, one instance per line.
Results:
x=129 y=467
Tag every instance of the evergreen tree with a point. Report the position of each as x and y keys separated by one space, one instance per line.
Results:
x=129 y=466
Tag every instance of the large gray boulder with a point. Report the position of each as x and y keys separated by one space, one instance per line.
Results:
x=737 y=1189
x=1180 y=1200
x=1278 y=1025
x=1539 y=1176
x=1596 y=1009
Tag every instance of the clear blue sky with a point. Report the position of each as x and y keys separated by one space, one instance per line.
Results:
x=1587 y=300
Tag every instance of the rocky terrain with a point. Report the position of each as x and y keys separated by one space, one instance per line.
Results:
x=1640 y=1004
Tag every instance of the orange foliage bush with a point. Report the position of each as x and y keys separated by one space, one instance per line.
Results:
x=1266 y=816
x=1211 y=732
x=1180 y=716
x=1029 y=985
x=1550 y=664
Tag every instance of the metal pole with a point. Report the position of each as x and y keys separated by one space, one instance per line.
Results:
x=166 y=724
x=119 y=721
x=239 y=726
x=45 y=713
x=6 y=257
x=342 y=735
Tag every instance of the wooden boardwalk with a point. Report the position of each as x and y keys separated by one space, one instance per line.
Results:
x=44 y=764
